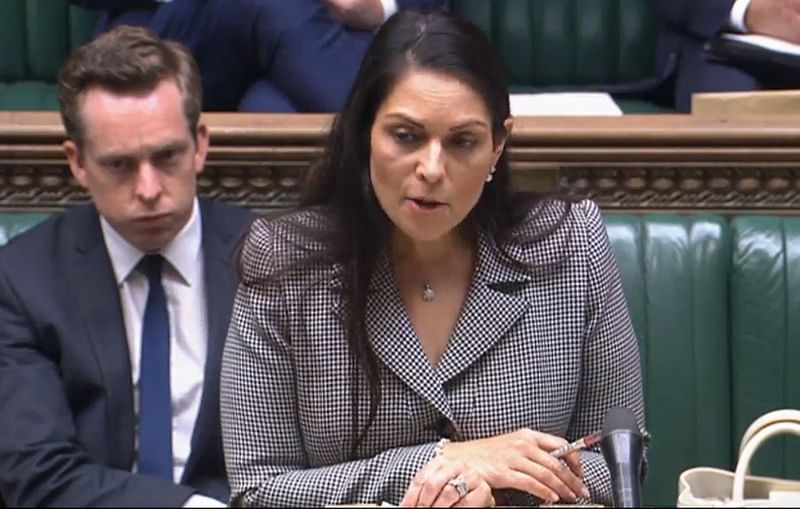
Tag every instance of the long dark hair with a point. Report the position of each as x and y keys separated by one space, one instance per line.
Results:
x=356 y=230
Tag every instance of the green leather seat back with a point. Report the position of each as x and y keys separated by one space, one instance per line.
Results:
x=28 y=95
x=35 y=37
x=765 y=335
x=14 y=223
x=674 y=272
x=568 y=43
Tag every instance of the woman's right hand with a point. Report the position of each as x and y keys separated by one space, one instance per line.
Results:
x=521 y=460
x=444 y=482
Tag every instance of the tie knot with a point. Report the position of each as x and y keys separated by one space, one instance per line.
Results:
x=150 y=265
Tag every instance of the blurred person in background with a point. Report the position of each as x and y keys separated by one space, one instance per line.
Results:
x=265 y=55
x=691 y=23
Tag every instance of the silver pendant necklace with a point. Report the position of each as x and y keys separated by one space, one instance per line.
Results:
x=427 y=292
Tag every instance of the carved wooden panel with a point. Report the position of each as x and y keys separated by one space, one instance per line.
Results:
x=50 y=187
x=257 y=186
x=774 y=187
x=636 y=163
x=38 y=187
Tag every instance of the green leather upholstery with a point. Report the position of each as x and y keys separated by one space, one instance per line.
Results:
x=674 y=271
x=546 y=44
x=568 y=43
x=14 y=223
x=35 y=37
x=765 y=332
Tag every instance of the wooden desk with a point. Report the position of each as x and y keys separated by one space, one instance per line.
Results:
x=738 y=104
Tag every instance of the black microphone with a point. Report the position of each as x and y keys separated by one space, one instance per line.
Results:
x=622 y=445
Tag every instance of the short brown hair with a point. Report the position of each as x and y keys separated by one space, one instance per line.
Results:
x=126 y=60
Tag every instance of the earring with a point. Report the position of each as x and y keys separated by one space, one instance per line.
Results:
x=491 y=174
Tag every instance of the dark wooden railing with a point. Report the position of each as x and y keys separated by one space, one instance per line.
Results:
x=632 y=163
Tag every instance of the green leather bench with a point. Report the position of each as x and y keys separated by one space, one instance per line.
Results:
x=765 y=331
x=674 y=271
x=546 y=44
x=14 y=223
x=715 y=308
x=35 y=37
x=569 y=45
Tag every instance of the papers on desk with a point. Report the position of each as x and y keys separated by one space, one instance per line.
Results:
x=766 y=42
x=566 y=103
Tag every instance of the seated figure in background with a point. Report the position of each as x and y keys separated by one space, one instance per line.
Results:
x=417 y=333
x=113 y=314
x=690 y=23
x=265 y=55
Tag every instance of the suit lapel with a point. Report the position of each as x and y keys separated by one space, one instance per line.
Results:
x=221 y=280
x=491 y=308
x=218 y=240
x=395 y=343
x=88 y=268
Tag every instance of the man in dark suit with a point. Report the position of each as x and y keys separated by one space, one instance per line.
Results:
x=265 y=55
x=113 y=315
x=690 y=23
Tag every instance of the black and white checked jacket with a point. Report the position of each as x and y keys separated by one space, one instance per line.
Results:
x=550 y=350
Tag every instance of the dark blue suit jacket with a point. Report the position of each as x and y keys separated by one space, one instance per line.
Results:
x=689 y=24
x=268 y=55
x=66 y=398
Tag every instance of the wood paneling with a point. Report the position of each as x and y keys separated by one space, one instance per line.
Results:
x=629 y=163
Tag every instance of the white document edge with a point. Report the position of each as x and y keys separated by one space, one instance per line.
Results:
x=564 y=103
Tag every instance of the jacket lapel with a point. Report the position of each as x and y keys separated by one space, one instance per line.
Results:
x=395 y=343
x=220 y=278
x=493 y=305
x=88 y=268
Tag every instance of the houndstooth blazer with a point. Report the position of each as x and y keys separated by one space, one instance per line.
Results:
x=550 y=350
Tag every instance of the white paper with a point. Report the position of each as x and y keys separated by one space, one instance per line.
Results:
x=564 y=103
x=784 y=498
x=766 y=42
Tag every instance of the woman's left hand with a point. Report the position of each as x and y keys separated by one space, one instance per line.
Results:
x=443 y=482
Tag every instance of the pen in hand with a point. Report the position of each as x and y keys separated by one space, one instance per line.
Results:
x=581 y=443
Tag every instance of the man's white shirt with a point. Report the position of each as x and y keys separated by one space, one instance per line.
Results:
x=185 y=289
x=736 y=18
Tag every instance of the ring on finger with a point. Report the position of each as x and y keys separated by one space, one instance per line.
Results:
x=460 y=484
